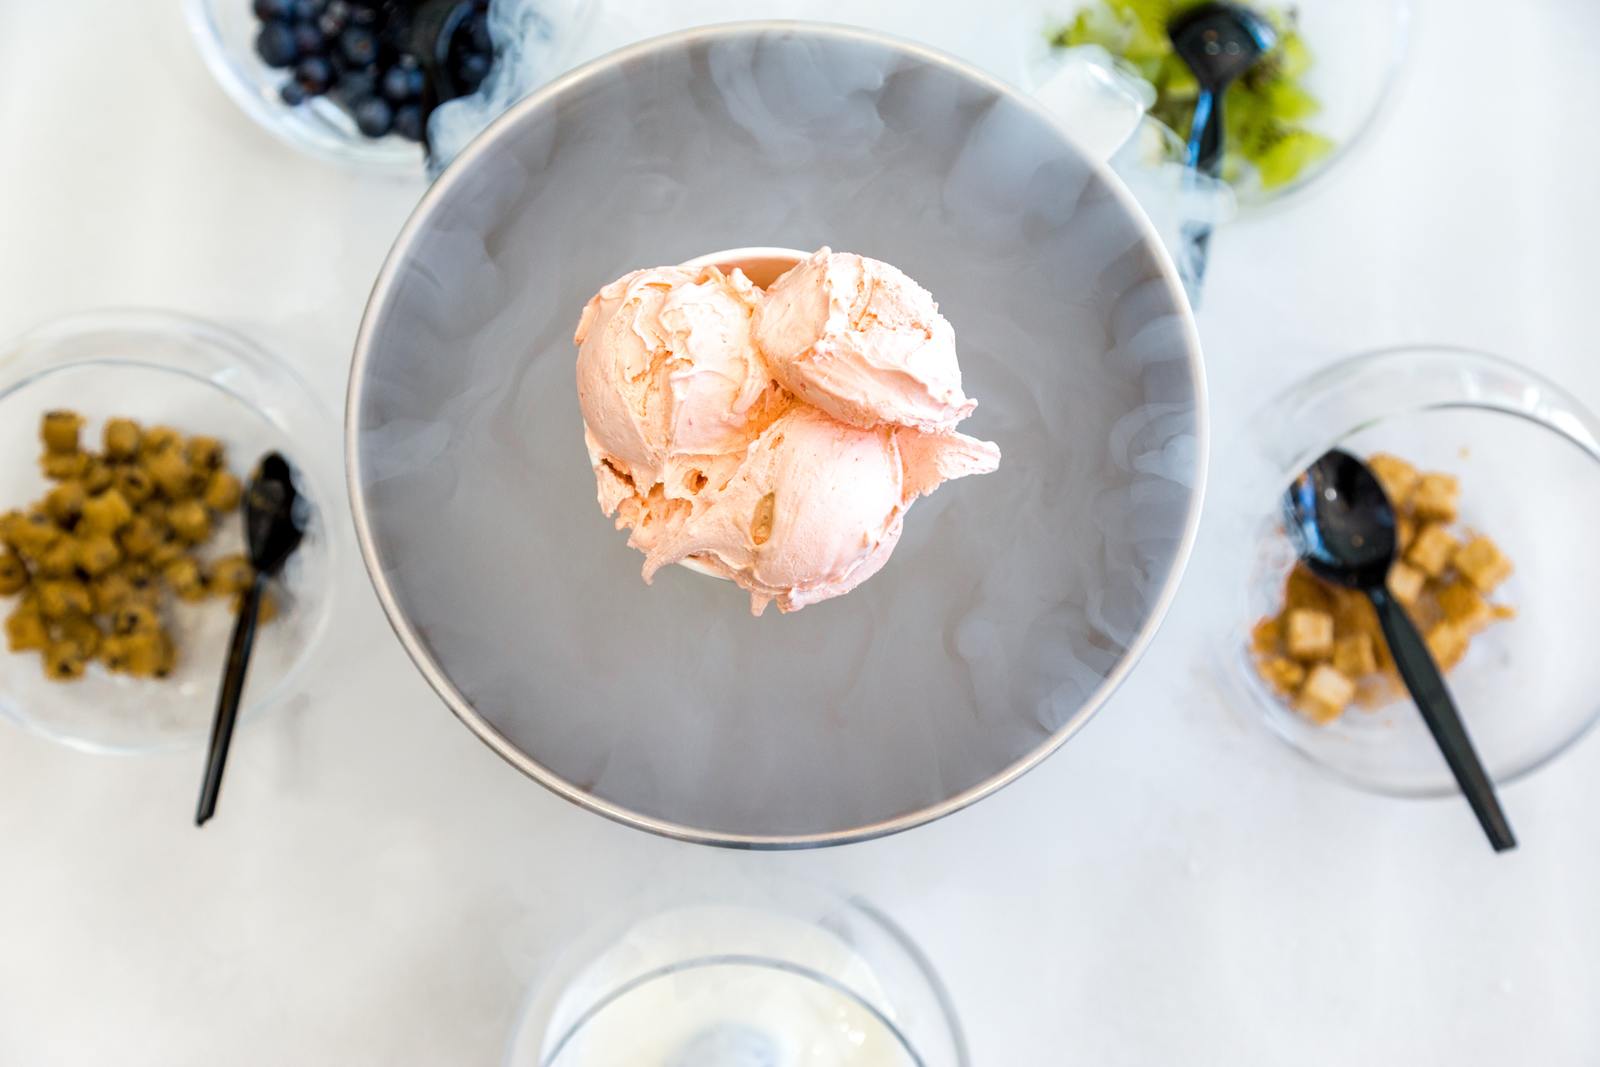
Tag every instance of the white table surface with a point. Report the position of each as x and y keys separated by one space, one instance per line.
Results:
x=1171 y=888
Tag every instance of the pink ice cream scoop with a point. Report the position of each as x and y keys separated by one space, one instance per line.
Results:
x=666 y=369
x=702 y=450
x=813 y=510
x=863 y=342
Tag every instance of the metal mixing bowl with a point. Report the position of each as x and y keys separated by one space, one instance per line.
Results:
x=1015 y=602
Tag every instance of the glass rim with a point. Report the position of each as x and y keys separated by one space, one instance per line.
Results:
x=894 y=958
x=735 y=960
x=1261 y=203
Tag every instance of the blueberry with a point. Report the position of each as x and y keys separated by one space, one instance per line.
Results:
x=308 y=39
x=292 y=94
x=335 y=17
x=473 y=69
x=400 y=84
x=308 y=9
x=358 y=84
x=408 y=122
x=266 y=10
x=359 y=45
x=374 y=117
x=363 y=14
x=314 y=74
x=275 y=44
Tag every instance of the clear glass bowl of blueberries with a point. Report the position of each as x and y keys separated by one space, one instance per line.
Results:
x=356 y=81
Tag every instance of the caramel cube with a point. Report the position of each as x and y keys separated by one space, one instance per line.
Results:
x=1436 y=498
x=1405 y=532
x=26 y=630
x=1397 y=477
x=1265 y=635
x=1448 y=643
x=1354 y=656
x=10 y=523
x=106 y=513
x=1405 y=582
x=1305 y=590
x=1308 y=634
x=1433 y=550
x=121 y=438
x=1326 y=694
x=1283 y=674
x=1482 y=563
x=1463 y=605
x=13 y=573
x=59 y=431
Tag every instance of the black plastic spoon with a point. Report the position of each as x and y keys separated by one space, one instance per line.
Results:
x=1219 y=42
x=273 y=528
x=435 y=25
x=1344 y=526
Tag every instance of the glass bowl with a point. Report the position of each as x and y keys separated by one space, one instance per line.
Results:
x=225 y=32
x=789 y=975
x=161 y=368
x=1528 y=457
x=1358 y=51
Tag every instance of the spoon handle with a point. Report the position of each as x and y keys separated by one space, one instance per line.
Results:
x=1205 y=133
x=1422 y=678
x=244 y=638
x=1205 y=157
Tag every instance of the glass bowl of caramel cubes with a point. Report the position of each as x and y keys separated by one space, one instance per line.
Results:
x=1494 y=475
x=126 y=440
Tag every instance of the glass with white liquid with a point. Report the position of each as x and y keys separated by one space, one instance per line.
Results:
x=829 y=983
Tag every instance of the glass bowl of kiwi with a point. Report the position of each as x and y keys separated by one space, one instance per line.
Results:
x=1309 y=104
x=129 y=437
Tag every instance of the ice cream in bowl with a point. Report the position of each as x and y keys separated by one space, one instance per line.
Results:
x=772 y=435
x=940 y=410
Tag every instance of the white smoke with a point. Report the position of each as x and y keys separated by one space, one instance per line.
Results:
x=532 y=41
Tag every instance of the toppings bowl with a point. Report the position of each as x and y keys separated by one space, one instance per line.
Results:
x=325 y=77
x=1014 y=603
x=164 y=370
x=1526 y=456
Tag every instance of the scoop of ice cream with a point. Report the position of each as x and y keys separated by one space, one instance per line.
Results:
x=863 y=342
x=791 y=475
x=813 y=510
x=667 y=370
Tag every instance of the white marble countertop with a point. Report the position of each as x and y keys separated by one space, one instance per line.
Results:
x=1171 y=888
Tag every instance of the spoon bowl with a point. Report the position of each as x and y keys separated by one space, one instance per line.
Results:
x=274 y=522
x=1220 y=41
x=1341 y=522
